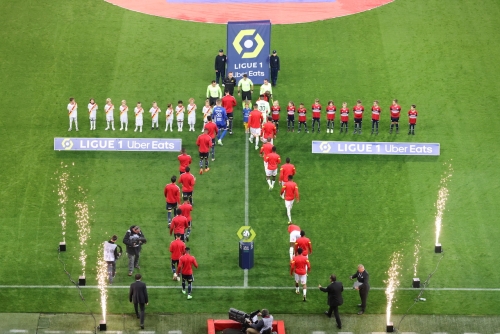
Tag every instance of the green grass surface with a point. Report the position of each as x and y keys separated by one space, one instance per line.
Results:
x=356 y=209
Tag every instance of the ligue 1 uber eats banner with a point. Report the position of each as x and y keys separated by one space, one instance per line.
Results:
x=248 y=49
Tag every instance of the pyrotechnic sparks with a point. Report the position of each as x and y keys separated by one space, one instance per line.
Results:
x=62 y=188
x=102 y=279
x=83 y=222
x=416 y=252
x=392 y=283
x=441 y=201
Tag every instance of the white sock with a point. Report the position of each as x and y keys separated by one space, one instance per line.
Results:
x=304 y=291
x=269 y=183
x=76 y=124
x=289 y=213
x=272 y=183
x=297 y=288
x=291 y=253
x=91 y=126
x=257 y=141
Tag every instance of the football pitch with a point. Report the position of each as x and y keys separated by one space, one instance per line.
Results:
x=442 y=56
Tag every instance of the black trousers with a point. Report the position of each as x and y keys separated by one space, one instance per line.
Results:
x=142 y=307
x=363 y=294
x=335 y=310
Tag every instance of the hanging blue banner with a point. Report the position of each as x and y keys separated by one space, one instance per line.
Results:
x=248 y=49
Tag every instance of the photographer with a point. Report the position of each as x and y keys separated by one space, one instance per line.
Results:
x=263 y=326
x=134 y=240
x=112 y=252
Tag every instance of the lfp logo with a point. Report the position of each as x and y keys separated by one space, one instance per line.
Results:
x=254 y=42
x=325 y=147
x=67 y=143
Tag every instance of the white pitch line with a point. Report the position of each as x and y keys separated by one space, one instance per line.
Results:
x=83 y=332
x=147 y=332
x=245 y=271
x=53 y=332
x=18 y=331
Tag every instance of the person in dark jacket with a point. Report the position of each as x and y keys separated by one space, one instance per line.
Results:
x=335 y=299
x=274 y=63
x=138 y=295
x=220 y=66
x=364 y=279
x=133 y=240
x=229 y=83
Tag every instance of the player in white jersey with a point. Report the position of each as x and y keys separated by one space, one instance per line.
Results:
x=263 y=107
x=123 y=115
x=207 y=111
x=72 y=113
x=155 y=112
x=138 y=111
x=109 y=109
x=191 y=110
x=179 y=113
x=169 y=117
x=92 y=113
x=111 y=253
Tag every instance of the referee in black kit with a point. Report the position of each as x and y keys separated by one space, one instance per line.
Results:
x=274 y=63
x=220 y=66
x=363 y=287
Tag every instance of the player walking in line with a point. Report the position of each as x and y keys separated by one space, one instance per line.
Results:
x=268 y=130
x=275 y=112
x=331 y=109
x=263 y=107
x=290 y=112
x=207 y=111
x=154 y=111
x=344 y=118
x=302 y=117
x=111 y=254
x=191 y=109
x=179 y=113
x=264 y=151
x=138 y=111
x=272 y=160
x=294 y=231
x=177 y=249
x=188 y=181
x=72 y=113
x=92 y=106
x=219 y=115
x=286 y=170
x=179 y=224
x=229 y=102
x=123 y=115
x=304 y=243
x=246 y=112
x=172 y=197
x=412 y=119
x=186 y=209
x=212 y=132
x=109 y=109
x=186 y=263
x=375 y=116
x=169 y=117
x=358 y=116
x=204 y=143
x=395 y=109
x=184 y=160
x=316 y=114
x=254 y=122
x=290 y=192
x=300 y=266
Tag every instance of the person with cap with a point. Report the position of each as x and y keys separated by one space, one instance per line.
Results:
x=220 y=66
x=133 y=240
x=274 y=62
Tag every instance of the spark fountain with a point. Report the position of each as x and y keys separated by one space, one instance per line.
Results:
x=441 y=205
x=416 y=280
x=83 y=222
x=102 y=279
x=392 y=284
x=62 y=188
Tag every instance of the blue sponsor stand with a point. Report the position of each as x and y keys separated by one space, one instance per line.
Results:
x=246 y=255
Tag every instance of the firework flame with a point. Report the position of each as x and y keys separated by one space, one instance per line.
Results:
x=392 y=283
x=102 y=279
x=83 y=222
x=441 y=201
x=416 y=252
x=62 y=189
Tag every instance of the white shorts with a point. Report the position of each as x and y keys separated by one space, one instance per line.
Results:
x=154 y=120
x=255 y=132
x=180 y=119
x=191 y=120
x=294 y=236
x=169 y=121
x=289 y=204
x=272 y=172
x=109 y=118
x=301 y=278
x=123 y=119
x=138 y=122
x=264 y=139
x=72 y=118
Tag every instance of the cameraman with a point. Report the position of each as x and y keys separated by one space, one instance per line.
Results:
x=134 y=240
x=263 y=326
x=111 y=253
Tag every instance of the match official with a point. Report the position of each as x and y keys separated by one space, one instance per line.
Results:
x=138 y=295
x=335 y=299
x=245 y=85
x=362 y=276
x=229 y=83
x=213 y=92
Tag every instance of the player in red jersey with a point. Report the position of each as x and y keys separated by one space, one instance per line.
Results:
x=212 y=132
x=294 y=231
x=186 y=263
x=290 y=112
x=177 y=248
x=186 y=209
x=179 y=224
x=316 y=114
x=375 y=116
x=268 y=130
x=264 y=151
x=204 y=143
x=272 y=160
x=344 y=118
x=302 y=117
x=330 y=116
x=358 y=116
x=229 y=102
x=275 y=112
x=188 y=181
x=304 y=243
x=395 y=112
x=290 y=192
x=172 y=197
x=255 y=120
x=286 y=170
x=300 y=266
x=184 y=160
x=412 y=119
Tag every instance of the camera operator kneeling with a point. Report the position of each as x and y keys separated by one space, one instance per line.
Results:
x=263 y=326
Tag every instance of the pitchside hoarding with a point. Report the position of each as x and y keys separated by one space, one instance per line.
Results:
x=248 y=49
x=117 y=144
x=375 y=148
